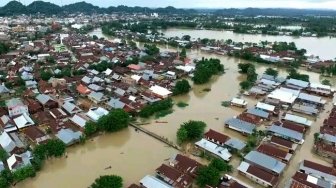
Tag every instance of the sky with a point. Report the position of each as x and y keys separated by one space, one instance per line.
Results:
x=314 y=4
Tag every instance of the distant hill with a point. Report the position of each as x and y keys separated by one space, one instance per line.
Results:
x=15 y=8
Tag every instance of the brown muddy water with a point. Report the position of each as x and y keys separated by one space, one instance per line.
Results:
x=133 y=155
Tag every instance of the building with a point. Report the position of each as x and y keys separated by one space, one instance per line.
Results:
x=318 y=170
x=216 y=137
x=36 y=135
x=97 y=97
x=285 y=133
x=238 y=102
x=275 y=152
x=153 y=182
x=215 y=149
x=283 y=144
x=298 y=119
x=11 y=143
x=160 y=91
x=174 y=177
x=258 y=175
x=308 y=181
x=71 y=108
x=46 y=101
x=23 y=121
x=240 y=125
x=96 y=113
x=265 y=162
x=68 y=136
x=16 y=107
x=185 y=164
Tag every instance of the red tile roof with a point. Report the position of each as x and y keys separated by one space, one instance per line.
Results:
x=215 y=136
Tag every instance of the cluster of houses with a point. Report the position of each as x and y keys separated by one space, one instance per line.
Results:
x=312 y=174
x=180 y=172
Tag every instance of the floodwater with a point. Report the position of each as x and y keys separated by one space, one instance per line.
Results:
x=133 y=155
x=323 y=47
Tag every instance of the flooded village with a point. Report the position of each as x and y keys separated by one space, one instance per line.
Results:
x=78 y=105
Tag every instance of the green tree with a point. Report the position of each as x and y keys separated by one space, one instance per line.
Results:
x=272 y=72
x=94 y=37
x=24 y=173
x=220 y=165
x=114 y=121
x=6 y=178
x=181 y=87
x=151 y=49
x=53 y=148
x=205 y=69
x=194 y=130
x=51 y=59
x=156 y=107
x=207 y=176
x=90 y=128
x=326 y=82
x=243 y=67
x=3 y=154
x=45 y=75
x=183 y=54
x=108 y=181
x=245 y=85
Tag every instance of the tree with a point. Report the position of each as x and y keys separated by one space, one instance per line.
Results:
x=156 y=107
x=3 y=154
x=251 y=74
x=326 y=82
x=220 y=165
x=243 y=67
x=45 y=75
x=186 y=37
x=108 y=181
x=151 y=49
x=205 y=69
x=272 y=72
x=6 y=178
x=190 y=130
x=90 y=128
x=51 y=59
x=114 y=121
x=183 y=54
x=53 y=148
x=207 y=176
x=24 y=173
x=94 y=37
x=245 y=85
x=181 y=87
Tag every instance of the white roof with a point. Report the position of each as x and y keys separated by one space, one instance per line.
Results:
x=108 y=71
x=283 y=96
x=136 y=77
x=6 y=142
x=298 y=119
x=186 y=68
x=239 y=101
x=78 y=120
x=96 y=113
x=265 y=106
x=152 y=182
x=160 y=90
x=23 y=121
x=320 y=86
x=215 y=149
x=312 y=179
x=12 y=160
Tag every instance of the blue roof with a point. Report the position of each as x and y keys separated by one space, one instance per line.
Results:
x=258 y=112
x=68 y=136
x=240 y=125
x=296 y=82
x=235 y=143
x=286 y=132
x=265 y=161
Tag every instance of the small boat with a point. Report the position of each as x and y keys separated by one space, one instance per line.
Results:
x=161 y=122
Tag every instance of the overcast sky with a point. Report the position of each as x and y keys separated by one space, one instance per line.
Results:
x=316 y=4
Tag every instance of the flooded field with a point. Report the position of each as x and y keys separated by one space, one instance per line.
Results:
x=133 y=155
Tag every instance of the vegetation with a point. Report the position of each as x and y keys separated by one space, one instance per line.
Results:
x=114 y=121
x=326 y=82
x=253 y=140
x=156 y=107
x=182 y=104
x=3 y=154
x=292 y=73
x=189 y=131
x=4 y=48
x=220 y=165
x=102 y=66
x=45 y=75
x=205 y=69
x=24 y=173
x=207 y=175
x=251 y=75
x=151 y=49
x=272 y=72
x=90 y=128
x=183 y=53
x=108 y=181
x=53 y=148
x=181 y=87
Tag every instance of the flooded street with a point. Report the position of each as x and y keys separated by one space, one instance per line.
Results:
x=133 y=155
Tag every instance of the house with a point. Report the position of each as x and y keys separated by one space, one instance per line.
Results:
x=283 y=96
x=318 y=170
x=115 y=103
x=47 y=101
x=160 y=91
x=275 y=152
x=80 y=120
x=320 y=89
x=236 y=144
x=11 y=142
x=258 y=174
x=83 y=90
x=23 y=121
x=258 y=113
x=215 y=149
x=31 y=84
x=240 y=125
x=298 y=119
x=95 y=87
x=16 y=107
x=305 y=109
x=97 y=97
x=36 y=135
x=297 y=84
x=238 y=102
x=174 y=177
x=265 y=162
x=311 y=99
x=185 y=164
x=153 y=182
x=16 y=161
x=68 y=136
x=216 y=137
x=283 y=144
x=285 y=133
x=306 y=180
x=58 y=114
x=33 y=105
x=7 y=124
x=96 y=113
x=71 y=108
x=3 y=90
x=265 y=107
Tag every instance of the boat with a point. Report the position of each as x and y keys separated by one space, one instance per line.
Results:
x=161 y=122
